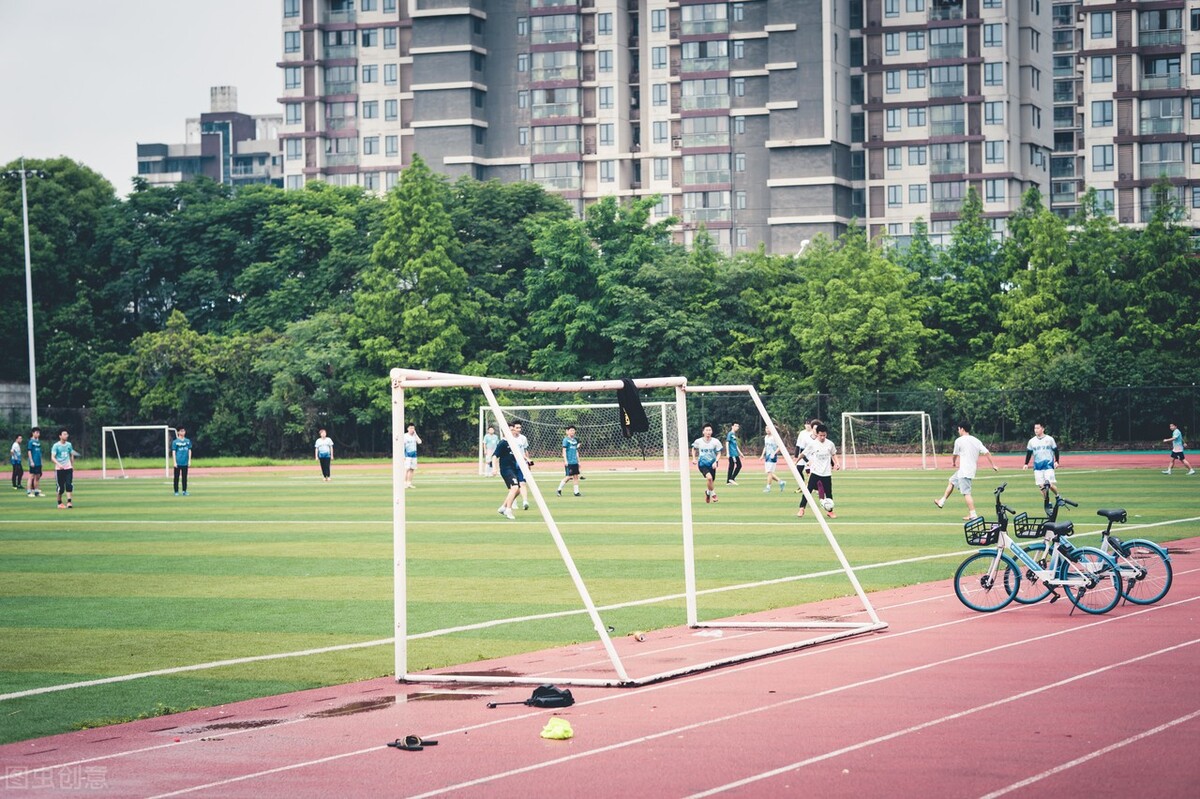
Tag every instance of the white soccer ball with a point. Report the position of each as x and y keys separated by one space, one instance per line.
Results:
x=827 y=504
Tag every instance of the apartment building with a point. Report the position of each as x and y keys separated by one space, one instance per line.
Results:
x=766 y=121
x=1127 y=107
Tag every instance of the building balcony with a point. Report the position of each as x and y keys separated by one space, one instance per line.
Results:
x=1171 y=81
x=554 y=36
x=1065 y=94
x=705 y=101
x=1160 y=38
x=340 y=51
x=951 y=206
x=695 y=215
x=946 y=89
x=707 y=177
x=1063 y=17
x=945 y=10
x=954 y=50
x=1149 y=127
x=552 y=3
x=570 y=147
x=342 y=87
x=570 y=72
x=956 y=127
x=333 y=17
x=947 y=166
x=560 y=184
x=1152 y=170
x=551 y=110
x=340 y=123
x=1062 y=167
x=697 y=27
x=705 y=139
x=341 y=159
x=719 y=64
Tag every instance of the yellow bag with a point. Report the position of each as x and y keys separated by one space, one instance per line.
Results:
x=558 y=729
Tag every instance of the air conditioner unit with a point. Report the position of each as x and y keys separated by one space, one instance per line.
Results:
x=1126 y=176
x=676 y=143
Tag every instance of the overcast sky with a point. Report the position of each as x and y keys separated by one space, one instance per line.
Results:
x=89 y=79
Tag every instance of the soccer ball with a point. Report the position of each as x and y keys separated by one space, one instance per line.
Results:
x=827 y=504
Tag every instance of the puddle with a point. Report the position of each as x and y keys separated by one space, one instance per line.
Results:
x=444 y=696
x=353 y=707
x=234 y=725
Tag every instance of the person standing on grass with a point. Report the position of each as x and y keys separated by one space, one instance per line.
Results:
x=489 y=450
x=967 y=449
x=733 y=450
x=63 y=455
x=706 y=454
x=770 y=456
x=34 y=451
x=1043 y=451
x=511 y=474
x=323 y=452
x=522 y=452
x=570 y=451
x=411 y=441
x=182 y=447
x=1176 y=441
x=821 y=456
x=16 y=458
x=804 y=439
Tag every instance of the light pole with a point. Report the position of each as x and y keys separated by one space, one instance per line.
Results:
x=33 y=412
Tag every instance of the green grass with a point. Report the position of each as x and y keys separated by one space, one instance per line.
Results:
x=134 y=579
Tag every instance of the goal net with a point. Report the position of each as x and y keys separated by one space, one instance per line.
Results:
x=888 y=439
x=126 y=447
x=764 y=633
x=598 y=428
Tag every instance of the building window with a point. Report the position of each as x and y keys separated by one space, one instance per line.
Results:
x=604 y=60
x=658 y=20
x=608 y=171
x=739 y=200
x=993 y=3
x=370 y=37
x=607 y=134
x=659 y=94
x=739 y=87
x=370 y=5
x=295 y=182
x=522 y=136
x=993 y=113
x=1102 y=69
x=1105 y=200
x=291 y=77
x=993 y=74
x=390 y=110
x=918 y=193
x=1102 y=25
x=917 y=155
x=739 y=124
x=891 y=44
x=893 y=158
x=892 y=80
x=1196 y=152
x=893 y=119
x=891 y=8
x=391 y=145
x=370 y=109
x=370 y=73
x=658 y=57
x=659 y=132
x=743 y=237
x=605 y=97
x=477 y=97
x=739 y=162
x=993 y=35
x=390 y=74
x=291 y=41
x=993 y=191
x=1196 y=108
x=1196 y=196
x=662 y=168
x=1102 y=158
x=292 y=113
x=294 y=149
x=389 y=7
x=916 y=40
x=739 y=49
x=916 y=79
x=895 y=196
x=522 y=62
x=604 y=24
x=916 y=117
x=1102 y=114
x=993 y=152
x=291 y=8
x=370 y=145
x=739 y=12
x=389 y=38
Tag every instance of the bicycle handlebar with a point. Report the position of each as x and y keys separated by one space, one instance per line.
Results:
x=1066 y=501
x=1000 y=489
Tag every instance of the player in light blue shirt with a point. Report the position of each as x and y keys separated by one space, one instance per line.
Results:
x=63 y=455
x=734 y=450
x=706 y=451
x=489 y=450
x=34 y=451
x=15 y=458
x=182 y=447
x=1043 y=451
x=570 y=451
x=1176 y=441
x=770 y=456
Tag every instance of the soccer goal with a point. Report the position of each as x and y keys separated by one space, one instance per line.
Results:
x=609 y=669
x=888 y=439
x=598 y=428
x=121 y=442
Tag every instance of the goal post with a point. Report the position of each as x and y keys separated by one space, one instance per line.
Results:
x=146 y=446
x=598 y=426
x=613 y=669
x=888 y=439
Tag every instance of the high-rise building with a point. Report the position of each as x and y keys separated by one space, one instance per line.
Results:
x=223 y=144
x=766 y=121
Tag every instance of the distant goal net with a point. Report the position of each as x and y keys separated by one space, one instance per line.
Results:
x=126 y=447
x=888 y=439
x=598 y=428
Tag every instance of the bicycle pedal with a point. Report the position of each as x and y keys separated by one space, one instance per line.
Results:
x=1053 y=597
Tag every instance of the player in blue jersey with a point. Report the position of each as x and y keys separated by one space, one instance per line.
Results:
x=490 y=441
x=182 y=448
x=34 y=452
x=1043 y=451
x=16 y=459
x=570 y=452
x=733 y=450
x=770 y=456
x=706 y=453
x=63 y=455
x=1176 y=441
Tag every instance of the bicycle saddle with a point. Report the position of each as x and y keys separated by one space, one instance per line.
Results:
x=1113 y=514
x=1059 y=529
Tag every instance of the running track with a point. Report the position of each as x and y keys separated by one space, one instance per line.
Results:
x=1031 y=701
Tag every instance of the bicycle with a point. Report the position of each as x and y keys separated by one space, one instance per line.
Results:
x=991 y=579
x=1144 y=566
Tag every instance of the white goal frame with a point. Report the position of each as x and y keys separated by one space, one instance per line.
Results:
x=850 y=451
x=112 y=429
x=820 y=631
x=661 y=409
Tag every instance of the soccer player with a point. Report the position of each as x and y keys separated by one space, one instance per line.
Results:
x=34 y=451
x=411 y=440
x=1043 y=450
x=967 y=449
x=323 y=452
x=1176 y=441
x=570 y=451
x=821 y=456
x=489 y=450
x=511 y=474
x=17 y=459
x=706 y=453
x=770 y=456
x=63 y=455
x=182 y=447
x=805 y=438
x=523 y=452
x=734 y=452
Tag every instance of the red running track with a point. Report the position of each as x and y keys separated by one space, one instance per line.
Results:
x=1031 y=701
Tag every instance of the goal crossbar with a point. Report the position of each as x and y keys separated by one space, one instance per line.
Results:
x=403 y=380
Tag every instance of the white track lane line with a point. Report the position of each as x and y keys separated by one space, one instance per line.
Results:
x=709 y=722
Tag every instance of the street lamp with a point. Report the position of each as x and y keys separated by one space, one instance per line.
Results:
x=33 y=413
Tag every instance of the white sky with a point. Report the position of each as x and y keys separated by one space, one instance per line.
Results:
x=89 y=79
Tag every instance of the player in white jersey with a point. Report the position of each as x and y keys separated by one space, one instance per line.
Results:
x=770 y=456
x=706 y=452
x=523 y=453
x=821 y=454
x=1043 y=451
x=967 y=449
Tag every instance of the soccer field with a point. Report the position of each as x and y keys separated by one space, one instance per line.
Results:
x=275 y=562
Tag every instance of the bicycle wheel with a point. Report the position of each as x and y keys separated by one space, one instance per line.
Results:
x=1103 y=591
x=1146 y=574
x=981 y=589
x=1031 y=590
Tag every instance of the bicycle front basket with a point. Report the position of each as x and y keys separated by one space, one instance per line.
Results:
x=1026 y=526
x=981 y=533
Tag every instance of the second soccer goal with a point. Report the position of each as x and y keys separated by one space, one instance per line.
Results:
x=888 y=439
